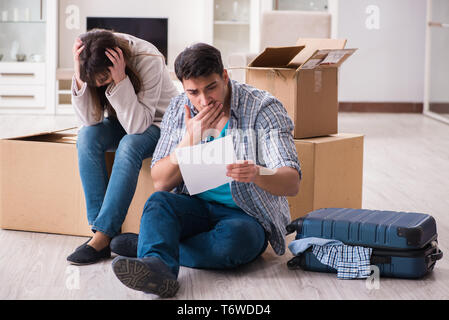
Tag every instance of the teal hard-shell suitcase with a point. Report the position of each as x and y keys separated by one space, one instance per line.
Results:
x=404 y=243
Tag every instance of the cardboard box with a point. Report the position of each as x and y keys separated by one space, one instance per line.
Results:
x=40 y=189
x=332 y=173
x=40 y=186
x=305 y=79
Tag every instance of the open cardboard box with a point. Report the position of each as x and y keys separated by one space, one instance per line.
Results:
x=305 y=79
x=40 y=186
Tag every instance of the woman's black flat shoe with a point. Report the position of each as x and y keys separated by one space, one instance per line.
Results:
x=86 y=254
x=84 y=244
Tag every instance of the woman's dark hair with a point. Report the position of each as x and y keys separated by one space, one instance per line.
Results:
x=94 y=64
x=198 y=60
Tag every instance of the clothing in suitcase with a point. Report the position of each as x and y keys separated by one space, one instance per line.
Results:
x=402 y=244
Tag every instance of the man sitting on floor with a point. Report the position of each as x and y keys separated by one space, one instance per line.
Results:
x=232 y=224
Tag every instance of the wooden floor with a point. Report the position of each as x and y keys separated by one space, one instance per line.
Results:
x=406 y=167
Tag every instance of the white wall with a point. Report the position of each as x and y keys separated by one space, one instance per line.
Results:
x=188 y=21
x=389 y=65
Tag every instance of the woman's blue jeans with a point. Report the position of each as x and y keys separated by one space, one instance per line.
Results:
x=186 y=230
x=108 y=199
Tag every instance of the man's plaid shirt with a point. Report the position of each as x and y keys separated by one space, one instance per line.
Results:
x=262 y=132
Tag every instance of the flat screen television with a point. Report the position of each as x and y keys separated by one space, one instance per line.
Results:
x=154 y=30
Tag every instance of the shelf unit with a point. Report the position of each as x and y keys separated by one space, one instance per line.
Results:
x=63 y=91
x=22 y=85
x=236 y=25
x=27 y=86
x=224 y=22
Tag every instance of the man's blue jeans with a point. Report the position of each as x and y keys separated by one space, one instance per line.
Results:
x=188 y=231
x=108 y=199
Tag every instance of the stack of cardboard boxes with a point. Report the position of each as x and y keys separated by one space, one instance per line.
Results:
x=40 y=187
x=305 y=79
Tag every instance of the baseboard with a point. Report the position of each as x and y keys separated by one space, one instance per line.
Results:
x=439 y=107
x=387 y=107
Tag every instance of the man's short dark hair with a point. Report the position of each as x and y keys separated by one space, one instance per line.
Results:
x=198 y=60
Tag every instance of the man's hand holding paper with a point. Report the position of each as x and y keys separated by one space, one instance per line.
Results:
x=203 y=166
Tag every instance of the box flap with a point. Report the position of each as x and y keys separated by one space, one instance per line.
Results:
x=311 y=46
x=275 y=57
x=330 y=138
x=36 y=134
x=328 y=58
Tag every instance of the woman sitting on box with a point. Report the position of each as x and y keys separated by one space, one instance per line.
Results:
x=126 y=77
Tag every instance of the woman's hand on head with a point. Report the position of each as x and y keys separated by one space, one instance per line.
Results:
x=77 y=49
x=118 y=64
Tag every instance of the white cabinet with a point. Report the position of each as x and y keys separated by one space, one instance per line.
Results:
x=22 y=84
x=28 y=32
x=26 y=97
x=22 y=73
x=236 y=25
